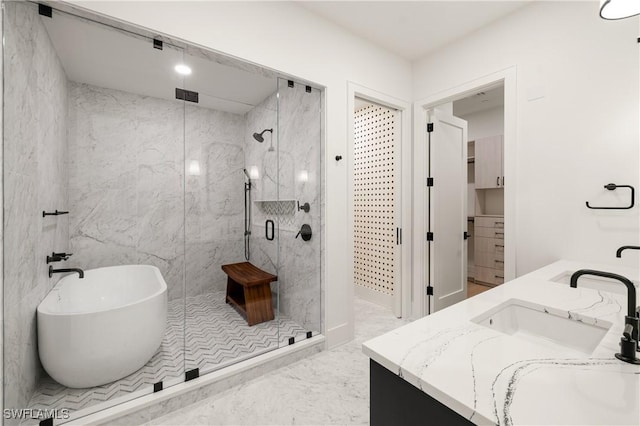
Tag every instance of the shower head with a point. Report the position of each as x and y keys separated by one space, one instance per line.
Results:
x=258 y=136
x=246 y=174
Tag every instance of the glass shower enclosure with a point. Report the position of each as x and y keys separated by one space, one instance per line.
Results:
x=148 y=153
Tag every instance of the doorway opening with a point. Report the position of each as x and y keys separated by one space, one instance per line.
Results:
x=485 y=251
x=484 y=113
x=377 y=233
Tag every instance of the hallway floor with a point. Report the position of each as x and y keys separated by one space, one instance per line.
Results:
x=474 y=289
x=329 y=388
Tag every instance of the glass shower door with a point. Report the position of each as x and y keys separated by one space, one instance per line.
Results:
x=229 y=179
x=299 y=213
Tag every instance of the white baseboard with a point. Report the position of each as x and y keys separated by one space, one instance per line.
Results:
x=376 y=297
x=339 y=335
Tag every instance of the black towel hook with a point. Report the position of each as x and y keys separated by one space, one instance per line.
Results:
x=611 y=187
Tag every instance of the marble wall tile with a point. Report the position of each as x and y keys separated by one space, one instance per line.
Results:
x=214 y=219
x=125 y=181
x=133 y=202
x=35 y=179
x=264 y=253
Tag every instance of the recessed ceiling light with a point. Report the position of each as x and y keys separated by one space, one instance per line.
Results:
x=182 y=69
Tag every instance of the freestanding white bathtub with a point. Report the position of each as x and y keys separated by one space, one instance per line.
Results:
x=103 y=327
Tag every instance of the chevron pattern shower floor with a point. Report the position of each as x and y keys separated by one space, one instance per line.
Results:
x=216 y=336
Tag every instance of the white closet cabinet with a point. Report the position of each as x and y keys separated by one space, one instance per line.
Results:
x=489 y=163
x=489 y=249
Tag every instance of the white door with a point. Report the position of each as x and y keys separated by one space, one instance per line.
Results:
x=447 y=210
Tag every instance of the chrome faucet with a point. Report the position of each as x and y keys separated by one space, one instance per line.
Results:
x=62 y=271
x=629 y=340
x=621 y=249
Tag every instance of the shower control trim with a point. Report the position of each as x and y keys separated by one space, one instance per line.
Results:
x=305 y=232
x=305 y=207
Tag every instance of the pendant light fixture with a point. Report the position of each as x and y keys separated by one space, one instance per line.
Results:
x=619 y=9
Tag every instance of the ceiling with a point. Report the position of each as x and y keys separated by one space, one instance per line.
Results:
x=106 y=57
x=102 y=56
x=412 y=29
x=481 y=101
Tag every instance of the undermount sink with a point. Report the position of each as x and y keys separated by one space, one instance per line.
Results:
x=545 y=326
x=594 y=283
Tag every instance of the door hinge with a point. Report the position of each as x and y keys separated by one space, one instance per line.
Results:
x=429 y=290
x=429 y=181
x=429 y=127
x=157 y=44
x=398 y=235
x=429 y=236
x=465 y=235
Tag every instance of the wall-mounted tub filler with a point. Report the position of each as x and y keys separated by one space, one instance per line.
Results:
x=52 y=271
x=629 y=340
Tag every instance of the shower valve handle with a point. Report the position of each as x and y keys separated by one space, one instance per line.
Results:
x=305 y=232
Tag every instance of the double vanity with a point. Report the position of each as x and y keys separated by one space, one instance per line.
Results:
x=531 y=351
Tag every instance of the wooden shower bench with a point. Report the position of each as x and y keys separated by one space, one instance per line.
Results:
x=249 y=290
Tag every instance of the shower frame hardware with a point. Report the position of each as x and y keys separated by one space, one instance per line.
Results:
x=191 y=374
x=55 y=213
x=612 y=187
x=305 y=207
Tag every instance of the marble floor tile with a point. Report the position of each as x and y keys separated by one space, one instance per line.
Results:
x=216 y=336
x=329 y=388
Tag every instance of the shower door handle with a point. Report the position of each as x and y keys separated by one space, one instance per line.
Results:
x=266 y=230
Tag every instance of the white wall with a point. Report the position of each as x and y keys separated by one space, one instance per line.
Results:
x=577 y=123
x=482 y=124
x=288 y=38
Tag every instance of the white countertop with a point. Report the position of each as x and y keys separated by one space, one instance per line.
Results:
x=493 y=378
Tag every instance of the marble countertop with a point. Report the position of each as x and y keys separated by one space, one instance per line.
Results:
x=493 y=378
